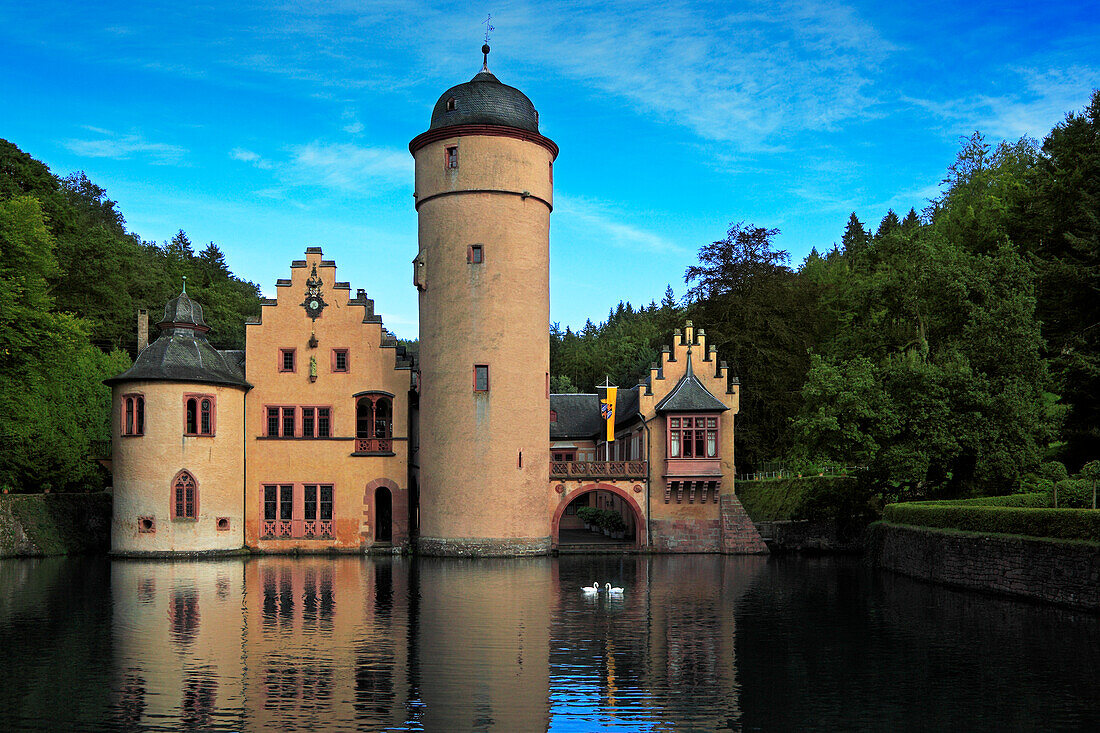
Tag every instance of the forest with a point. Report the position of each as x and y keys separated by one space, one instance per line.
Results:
x=953 y=351
x=71 y=281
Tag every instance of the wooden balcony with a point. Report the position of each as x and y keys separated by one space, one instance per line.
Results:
x=599 y=469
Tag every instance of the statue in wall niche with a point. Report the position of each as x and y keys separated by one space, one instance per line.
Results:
x=313 y=368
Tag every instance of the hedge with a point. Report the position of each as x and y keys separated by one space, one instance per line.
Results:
x=1035 y=500
x=1063 y=524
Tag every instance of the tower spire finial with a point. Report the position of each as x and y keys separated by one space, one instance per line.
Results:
x=185 y=284
x=485 y=48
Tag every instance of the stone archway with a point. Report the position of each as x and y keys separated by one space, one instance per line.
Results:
x=640 y=519
x=384 y=502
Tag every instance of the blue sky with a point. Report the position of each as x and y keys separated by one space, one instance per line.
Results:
x=269 y=127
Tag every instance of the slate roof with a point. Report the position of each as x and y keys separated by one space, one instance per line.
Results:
x=689 y=395
x=484 y=100
x=182 y=354
x=579 y=414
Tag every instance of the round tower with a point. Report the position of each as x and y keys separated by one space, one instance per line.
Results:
x=178 y=458
x=484 y=193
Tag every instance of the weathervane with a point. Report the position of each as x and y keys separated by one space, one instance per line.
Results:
x=485 y=49
x=488 y=26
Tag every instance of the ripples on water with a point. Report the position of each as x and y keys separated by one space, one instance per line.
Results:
x=376 y=644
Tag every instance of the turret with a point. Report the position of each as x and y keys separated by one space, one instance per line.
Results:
x=484 y=193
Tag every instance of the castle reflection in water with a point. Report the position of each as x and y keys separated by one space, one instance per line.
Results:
x=340 y=643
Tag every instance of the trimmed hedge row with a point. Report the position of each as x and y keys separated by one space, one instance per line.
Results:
x=1063 y=524
x=1035 y=500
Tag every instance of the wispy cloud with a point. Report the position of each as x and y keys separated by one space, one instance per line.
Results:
x=126 y=147
x=335 y=166
x=610 y=224
x=1037 y=103
x=247 y=156
x=347 y=166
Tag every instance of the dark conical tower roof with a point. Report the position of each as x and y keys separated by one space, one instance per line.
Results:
x=182 y=354
x=484 y=100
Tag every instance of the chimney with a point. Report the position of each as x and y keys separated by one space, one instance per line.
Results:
x=142 y=329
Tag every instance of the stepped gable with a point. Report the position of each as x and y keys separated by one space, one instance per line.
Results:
x=689 y=395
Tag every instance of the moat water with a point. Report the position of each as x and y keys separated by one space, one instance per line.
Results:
x=699 y=643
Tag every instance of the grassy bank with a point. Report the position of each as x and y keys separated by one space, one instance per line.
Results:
x=54 y=524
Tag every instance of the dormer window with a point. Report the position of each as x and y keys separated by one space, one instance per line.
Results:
x=451 y=104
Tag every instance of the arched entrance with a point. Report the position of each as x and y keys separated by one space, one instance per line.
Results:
x=383 y=515
x=617 y=499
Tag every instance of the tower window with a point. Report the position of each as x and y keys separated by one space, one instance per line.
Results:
x=133 y=414
x=481 y=377
x=452 y=156
x=475 y=255
x=185 y=496
x=199 y=412
x=551 y=171
x=451 y=104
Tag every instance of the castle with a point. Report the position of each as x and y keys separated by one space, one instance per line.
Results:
x=325 y=435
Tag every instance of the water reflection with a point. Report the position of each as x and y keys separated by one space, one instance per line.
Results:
x=694 y=643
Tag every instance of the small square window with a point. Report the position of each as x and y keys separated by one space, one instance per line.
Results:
x=339 y=360
x=286 y=360
x=475 y=255
x=481 y=377
x=452 y=156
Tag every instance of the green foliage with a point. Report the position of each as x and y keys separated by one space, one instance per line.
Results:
x=1073 y=493
x=71 y=281
x=815 y=498
x=60 y=524
x=1034 y=500
x=53 y=404
x=607 y=519
x=1063 y=524
x=763 y=320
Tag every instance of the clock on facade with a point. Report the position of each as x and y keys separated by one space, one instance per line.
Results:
x=314 y=302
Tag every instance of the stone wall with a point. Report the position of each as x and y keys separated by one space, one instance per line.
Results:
x=1066 y=573
x=54 y=524
x=686 y=535
x=809 y=537
x=739 y=535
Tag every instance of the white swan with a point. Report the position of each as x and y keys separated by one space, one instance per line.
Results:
x=594 y=588
x=613 y=591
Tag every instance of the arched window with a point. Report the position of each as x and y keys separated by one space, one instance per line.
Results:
x=133 y=414
x=373 y=423
x=185 y=496
x=200 y=414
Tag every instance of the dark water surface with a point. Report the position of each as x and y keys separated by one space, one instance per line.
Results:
x=700 y=643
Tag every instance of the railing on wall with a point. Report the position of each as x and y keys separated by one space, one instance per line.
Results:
x=274 y=529
x=373 y=445
x=598 y=469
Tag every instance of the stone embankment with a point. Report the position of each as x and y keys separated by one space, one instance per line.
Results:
x=34 y=525
x=822 y=537
x=1063 y=572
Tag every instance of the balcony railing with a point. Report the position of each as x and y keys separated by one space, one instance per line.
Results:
x=373 y=445
x=599 y=469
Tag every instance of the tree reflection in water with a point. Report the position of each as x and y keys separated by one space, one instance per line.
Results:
x=695 y=642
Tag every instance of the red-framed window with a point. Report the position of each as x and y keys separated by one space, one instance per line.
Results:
x=133 y=415
x=481 y=377
x=287 y=360
x=280 y=421
x=551 y=171
x=450 y=156
x=374 y=416
x=200 y=415
x=316 y=422
x=693 y=436
x=296 y=511
x=475 y=254
x=341 y=360
x=559 y=456
x=185 y=496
